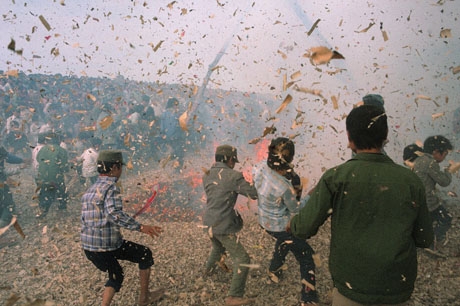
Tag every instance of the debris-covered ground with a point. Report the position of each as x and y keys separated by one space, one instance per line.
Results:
x=49 y=267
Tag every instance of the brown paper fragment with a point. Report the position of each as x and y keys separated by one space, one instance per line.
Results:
x=106 y=122
x=438 y=115
x=269 y=130
x=296 y=75
x=91 y=97
x=313 y=27
x=445 y=33
x=385 y=35
x=44 y=22
x=283 y=105
x=183 y=121
x=322 y=55
x=371 y=24
x=335 y=103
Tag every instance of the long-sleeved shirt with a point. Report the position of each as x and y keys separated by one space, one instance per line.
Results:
x=430 y=173
x=89 y=162
x=101 y=219
x=276 y=198
x=378 y=218
x=222 y=186
x=52 y=163
x=10 y=159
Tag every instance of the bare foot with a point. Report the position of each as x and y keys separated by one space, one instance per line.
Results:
x=236 y=301
x=152 y=297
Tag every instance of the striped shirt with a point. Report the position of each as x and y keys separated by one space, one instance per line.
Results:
x=101 y=219
x=276 y=198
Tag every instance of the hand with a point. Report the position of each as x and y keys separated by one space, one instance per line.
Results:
x=152 y=231
x=453 y=166
x=288 y=227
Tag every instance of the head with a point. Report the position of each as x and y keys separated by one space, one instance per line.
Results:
x=172 y=102
x=411 y=152
x=280 y=154
x=110 y=163
x=227 y=154
x=367 y=128
x=374 y=99
x=439 y=146
x=95 y=142
x=52 y=138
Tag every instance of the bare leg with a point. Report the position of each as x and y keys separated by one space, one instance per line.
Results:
x=144 y=276
x=107 y=296
x=146 y=297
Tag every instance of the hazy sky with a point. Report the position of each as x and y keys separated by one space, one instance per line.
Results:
x=404 y=50
x=177 y=41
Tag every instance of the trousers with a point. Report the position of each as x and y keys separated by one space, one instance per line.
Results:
x=239 y=257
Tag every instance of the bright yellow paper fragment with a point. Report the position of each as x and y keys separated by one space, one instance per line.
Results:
x=283 y=105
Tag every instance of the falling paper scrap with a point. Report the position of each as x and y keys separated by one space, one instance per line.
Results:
x=283 y=105
x=183 y=121
x=44 y=22
x=445 y=33
x=322 y=55
x=454 y=166
x=438 y=115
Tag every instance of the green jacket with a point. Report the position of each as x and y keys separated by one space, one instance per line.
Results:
x=378 y=217
x=52 y=164
x=429 y=171
x=222 y=186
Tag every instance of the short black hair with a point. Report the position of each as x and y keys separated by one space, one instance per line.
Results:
x=280 y=153
x=411 y=152
x=104 y=167
x=367 y=127
x=437 y=143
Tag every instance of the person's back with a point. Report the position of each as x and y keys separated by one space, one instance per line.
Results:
x=378 y=218
x=374 y=257
x=427 y=168
x=52 y=163
x=222 y=186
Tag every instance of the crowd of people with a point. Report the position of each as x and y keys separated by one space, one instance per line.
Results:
x=380 y=212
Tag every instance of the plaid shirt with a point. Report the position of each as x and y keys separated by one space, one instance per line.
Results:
x=101 y=220
x=276 y=198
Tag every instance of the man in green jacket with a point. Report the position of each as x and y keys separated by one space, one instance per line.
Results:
x=379 y=217
x=52 y=165
x=222 y=185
